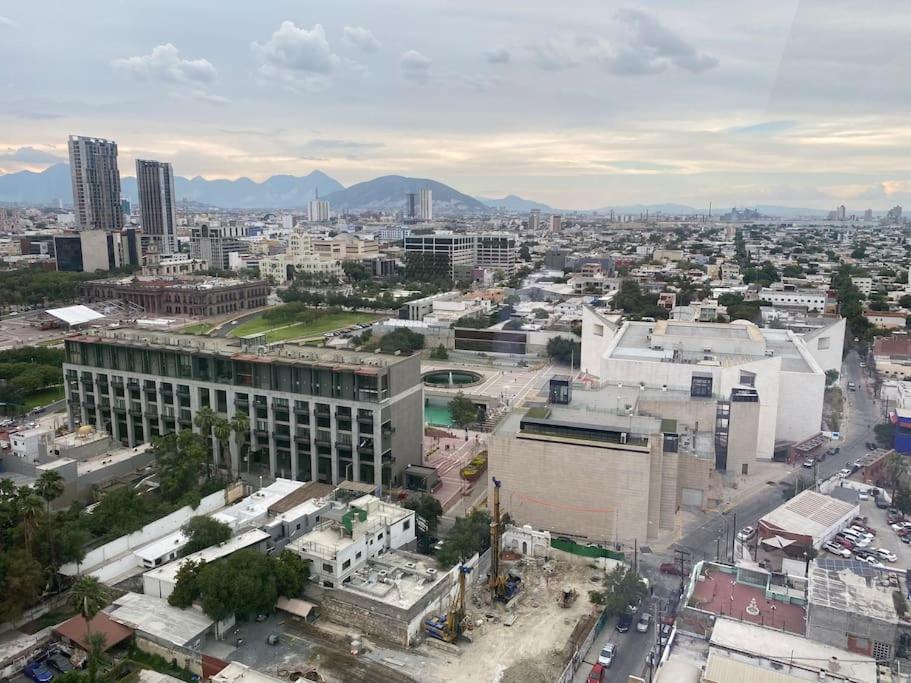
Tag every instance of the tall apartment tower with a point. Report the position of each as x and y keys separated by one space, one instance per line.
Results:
x=426 y=204
x=96 y=183
x=318 y=211
x=534 y=219
x=155 y=180
x=411 y=210
x=556 y=222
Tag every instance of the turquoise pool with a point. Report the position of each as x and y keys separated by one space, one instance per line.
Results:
x=437 y=415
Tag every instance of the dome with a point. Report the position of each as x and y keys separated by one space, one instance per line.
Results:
x=85 y=430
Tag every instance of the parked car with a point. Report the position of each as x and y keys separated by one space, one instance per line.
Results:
x=809 y=463
x=836 y=549
x=623 y=623
x=608 y=653
x=872 y=561
x=894 y=516
x=886 y=554
x=670 y=568
x=852 y=386
x=844 y=472
x=881 y=503
x=746 y=533
x=665 y=634
x=645 y=620
x=863 y=495
x=596 y=675
x=60 y=662
x=39 y=672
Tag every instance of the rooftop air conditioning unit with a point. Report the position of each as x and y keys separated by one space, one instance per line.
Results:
x=431 y=571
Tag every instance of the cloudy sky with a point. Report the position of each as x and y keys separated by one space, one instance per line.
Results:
x=581 y=104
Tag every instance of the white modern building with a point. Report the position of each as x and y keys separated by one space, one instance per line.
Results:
x=300 y=258
x=710 y=360
x=318 y=211
x=811 y=299
x=426 y=204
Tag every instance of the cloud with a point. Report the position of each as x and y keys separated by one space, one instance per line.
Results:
x=211 y=98
x=9 y=23
x=30 y=155
x=361 y=38
x=763 y=128
x=650 y=47
x=296 y=55
x=164 y=63
x=555 y=55
x=415 y=67
x=322 y=149
x=498 y=55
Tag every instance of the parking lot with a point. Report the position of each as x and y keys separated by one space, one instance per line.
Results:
x=885 y=536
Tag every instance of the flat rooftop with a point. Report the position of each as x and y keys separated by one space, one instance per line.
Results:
x=810 y=513
x=239 y=349
x=776 y=646
x=846 y=585
x=157 y=618
x=174 y=282
x=109 y=458
x=254 y=508
x=397 y=578
x=169 y=571
x=162 y=546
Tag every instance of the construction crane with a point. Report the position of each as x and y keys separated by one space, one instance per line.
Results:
x=502 y=588
x=450 y=626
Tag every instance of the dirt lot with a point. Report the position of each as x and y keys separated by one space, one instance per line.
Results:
x=531 y=648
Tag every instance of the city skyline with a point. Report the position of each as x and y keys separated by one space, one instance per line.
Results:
x=635 y=104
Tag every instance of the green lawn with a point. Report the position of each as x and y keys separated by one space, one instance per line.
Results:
x=327 y=323
x=42 y=398
x=197 y=328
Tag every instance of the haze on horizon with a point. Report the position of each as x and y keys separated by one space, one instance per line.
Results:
x=579 y=106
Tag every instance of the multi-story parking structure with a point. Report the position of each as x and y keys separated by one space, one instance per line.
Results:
x=315 y=414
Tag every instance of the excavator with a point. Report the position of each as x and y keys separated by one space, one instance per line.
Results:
x=503 y=587
x=450 y=626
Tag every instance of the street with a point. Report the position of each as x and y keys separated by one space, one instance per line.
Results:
x=716 y=534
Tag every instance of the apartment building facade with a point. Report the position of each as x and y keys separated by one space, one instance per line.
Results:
x=448 y=255
x=315 y=414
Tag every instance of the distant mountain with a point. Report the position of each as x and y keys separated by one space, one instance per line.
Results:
x=47 y=187
x=388 y=193
x=513 y=203
x=277 y=192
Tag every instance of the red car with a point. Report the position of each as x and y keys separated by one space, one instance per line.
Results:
x=670 y=568
x=596 y=675
x=844 y=542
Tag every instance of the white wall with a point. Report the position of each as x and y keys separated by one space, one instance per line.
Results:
x=800 y=405
x=94 y=559
x=593 y=345
x=828 y=358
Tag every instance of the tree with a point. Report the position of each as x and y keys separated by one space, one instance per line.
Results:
x=240 y=426
x=859 y=251
x=905 y=301
x=186 y=588
x=291 y=574
x=439 y=353
x=204 y=419
x=204 y=532
x=469 y=535
x=564 y=350
x=50 y=486
x=463 y=410
x=182 y=463
x=402 y=340
x=831 y=377
x=622 y=587
x=525 y=253
x=21 y=582
x=221 y=430
x=430 y=510
x=31 y=509
x=540 y=314
x=87 y=596
x=897 y=469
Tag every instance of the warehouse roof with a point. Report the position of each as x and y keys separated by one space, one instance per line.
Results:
x=810 y=513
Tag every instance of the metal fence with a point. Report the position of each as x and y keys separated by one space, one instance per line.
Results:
x=579 y=652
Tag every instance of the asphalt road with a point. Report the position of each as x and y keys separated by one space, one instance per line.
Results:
x=716 y=534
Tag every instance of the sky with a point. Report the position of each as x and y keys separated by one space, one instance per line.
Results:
x=581 y=105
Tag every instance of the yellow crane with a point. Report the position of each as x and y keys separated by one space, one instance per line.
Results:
x=502 y=587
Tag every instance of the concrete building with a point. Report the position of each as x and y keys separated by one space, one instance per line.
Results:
x=180 y=295
x=170 y=266
x=863 y=283
x=710 y=361
x=346 y=248
x=605 y=453
x=349 y=535
x=160 y=582
x=789 y=295
x=852 y=605
x=318 y=211
x=418 y=308
x=809 y=519
x=301 y=257
x=91 y=250
x=214 y=244
x=887 y=320
x=96 y=183
x=426 y=205
x=498 y=252
x=157 y=203
x=534 y=220
x=315 y=414
x=556 y=222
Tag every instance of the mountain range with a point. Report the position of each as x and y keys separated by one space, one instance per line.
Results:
x=388 y=192
x=517 y=204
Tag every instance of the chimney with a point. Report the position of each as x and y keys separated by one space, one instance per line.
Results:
x=834 y=666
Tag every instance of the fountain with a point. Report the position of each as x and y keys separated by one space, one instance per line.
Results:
x=452 y=379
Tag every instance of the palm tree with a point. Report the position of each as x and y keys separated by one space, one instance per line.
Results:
x=96 y=643
x=31 y=508
x=50 y=486
x=221 y=429
x=897 y=466
x=87 y=596
x=240 y=425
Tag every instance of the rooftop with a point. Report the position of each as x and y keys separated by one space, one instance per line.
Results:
x=797 y=651
x=809 y=513
x=169 y=571
x=396 y=578
x=854 y=586
x=254 y=508
x=236 y=672
x=157 y=618
x=241 y=349
x=173 y=282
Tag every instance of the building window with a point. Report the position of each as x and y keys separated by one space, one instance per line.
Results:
x=701 y=386
x=406 y=525
x=346 y=564
x=748 y=379
x=823 y=343
x=327 y=567
x=599 y=330
x=357 y=555
x=882 y=652
x=380 y=536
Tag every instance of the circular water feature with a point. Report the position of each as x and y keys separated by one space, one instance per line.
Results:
x=452 y=379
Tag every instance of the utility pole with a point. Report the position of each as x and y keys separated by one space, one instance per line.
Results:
x=734 y=539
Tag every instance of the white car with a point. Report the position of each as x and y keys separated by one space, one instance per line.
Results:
x=844 y=472
x=608 y=652
x=872 y=561
x=836 y=549
x=746 y=533
x=863 y=495
x=645 y=620
x=886 y=554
